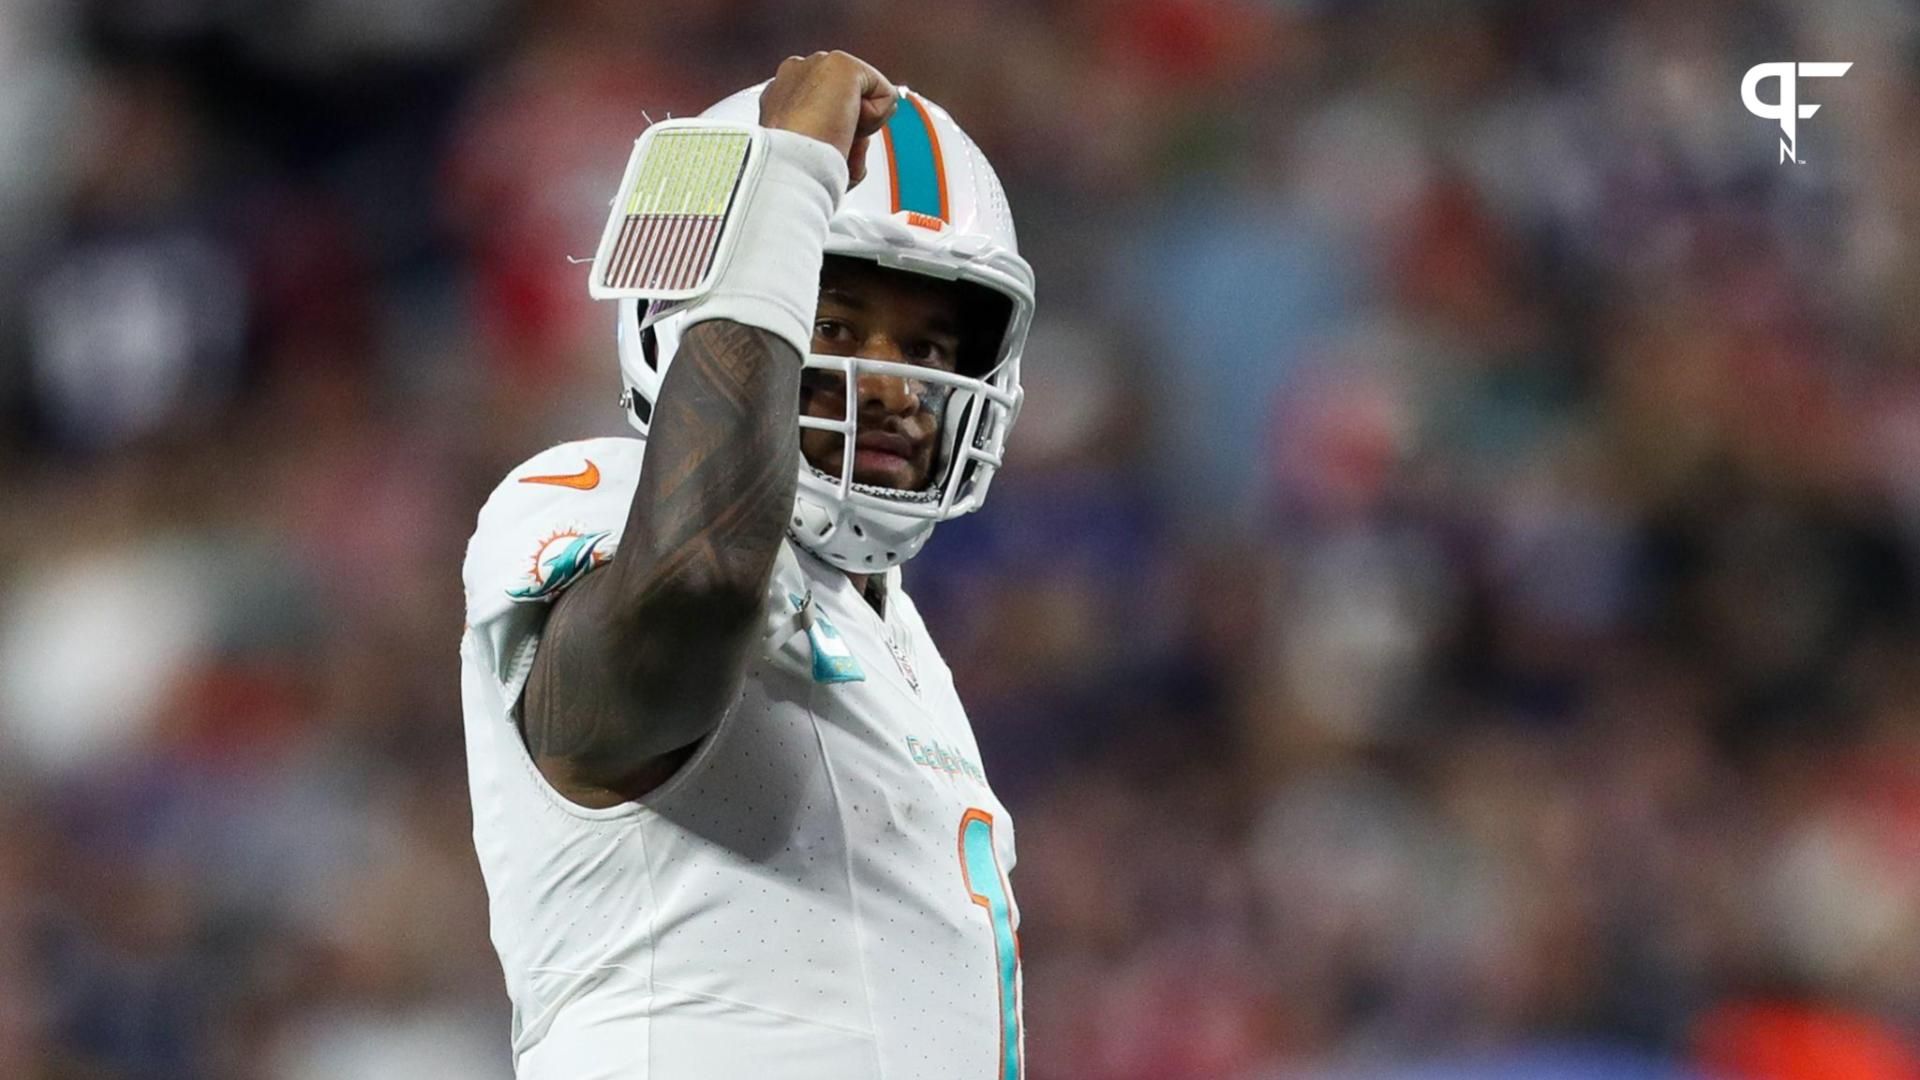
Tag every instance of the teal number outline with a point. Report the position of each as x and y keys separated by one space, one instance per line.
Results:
x=979 y=863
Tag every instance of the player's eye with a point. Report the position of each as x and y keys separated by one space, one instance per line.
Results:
x=933 y=353
x=832 y=332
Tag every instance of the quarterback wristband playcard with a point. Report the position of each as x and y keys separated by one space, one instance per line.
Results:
x=674 y=219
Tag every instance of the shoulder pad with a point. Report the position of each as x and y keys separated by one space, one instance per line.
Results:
x=554 y=519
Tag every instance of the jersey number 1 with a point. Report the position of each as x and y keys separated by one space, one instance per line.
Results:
x=987 y=886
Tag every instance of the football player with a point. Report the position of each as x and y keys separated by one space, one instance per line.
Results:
x=731 y=814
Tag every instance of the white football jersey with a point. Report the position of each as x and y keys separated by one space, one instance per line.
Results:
x=819 y=893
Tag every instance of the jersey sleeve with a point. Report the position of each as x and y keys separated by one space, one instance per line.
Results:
x=553 y=520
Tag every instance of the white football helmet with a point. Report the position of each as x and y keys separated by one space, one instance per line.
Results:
x=930 y=204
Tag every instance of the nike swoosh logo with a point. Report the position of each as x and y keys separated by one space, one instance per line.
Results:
x=585 y=480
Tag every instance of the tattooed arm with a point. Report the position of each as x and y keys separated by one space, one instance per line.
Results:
x=640 y=660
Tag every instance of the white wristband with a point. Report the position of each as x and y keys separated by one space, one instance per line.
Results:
x=773 y=278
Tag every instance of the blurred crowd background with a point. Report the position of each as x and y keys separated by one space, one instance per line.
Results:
x=1450 y=610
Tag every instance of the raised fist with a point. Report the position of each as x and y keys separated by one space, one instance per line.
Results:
x=835 y=97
